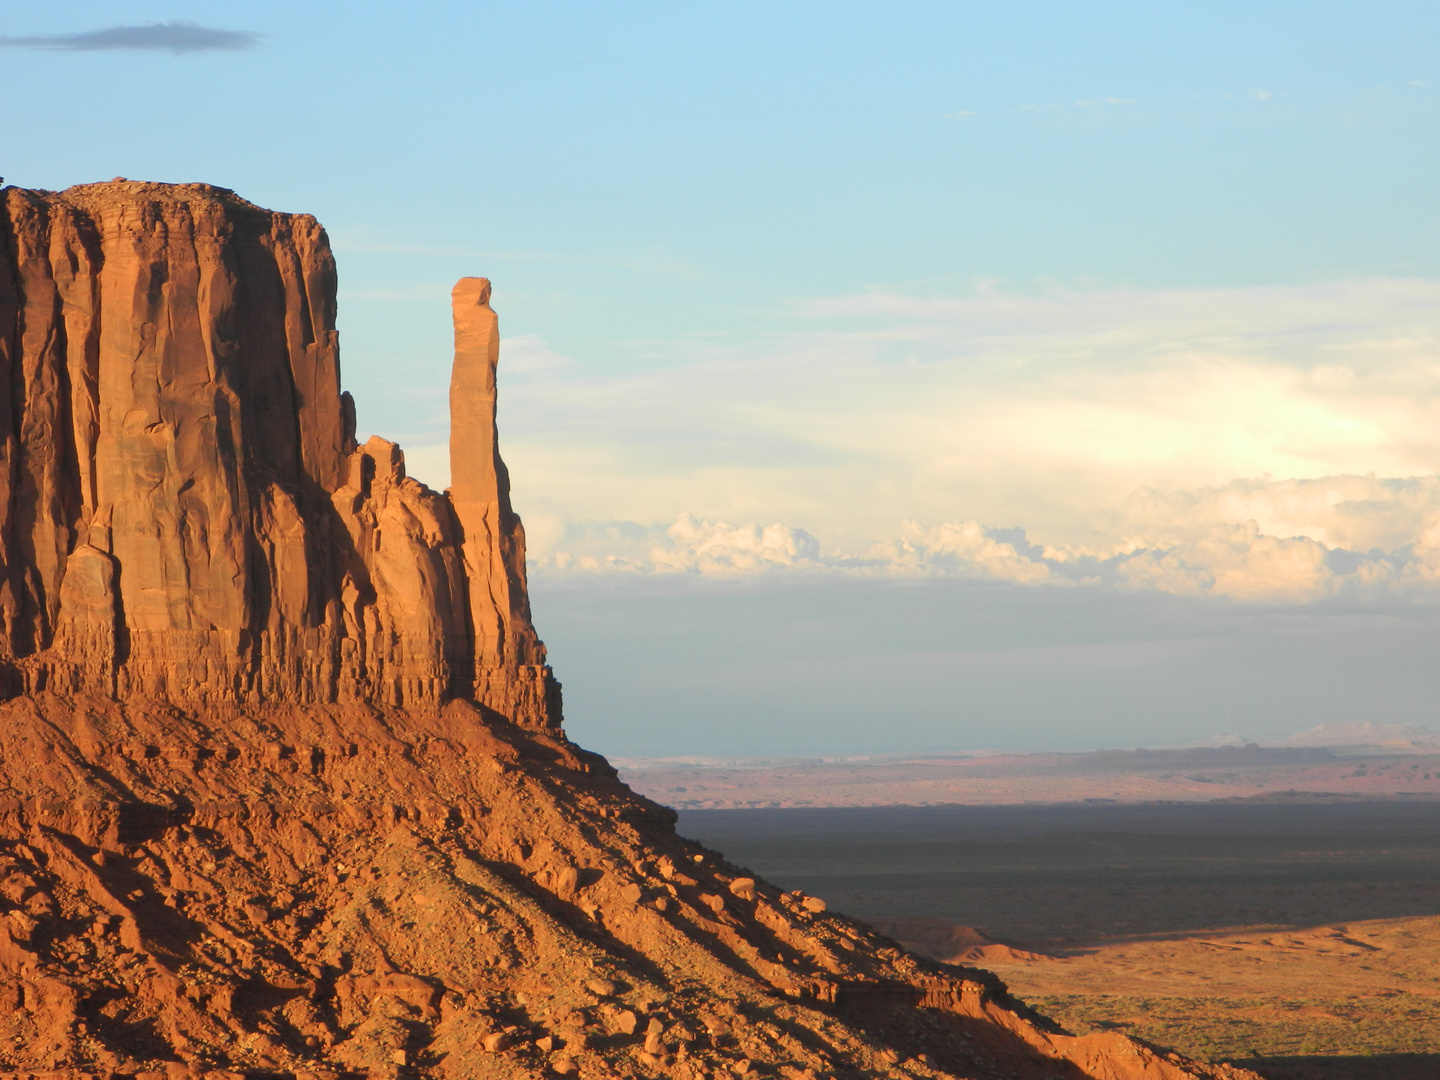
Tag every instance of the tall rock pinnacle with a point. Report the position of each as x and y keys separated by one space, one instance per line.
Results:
x=510 y=673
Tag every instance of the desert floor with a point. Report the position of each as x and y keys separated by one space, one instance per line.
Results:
x=1301 y=938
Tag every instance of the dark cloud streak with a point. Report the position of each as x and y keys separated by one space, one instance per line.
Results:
x=174 y=37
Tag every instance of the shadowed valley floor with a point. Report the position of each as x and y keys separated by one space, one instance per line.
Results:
x=1301 y=938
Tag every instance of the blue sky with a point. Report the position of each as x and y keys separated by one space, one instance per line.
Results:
x=631 y=173
x=1055 y=297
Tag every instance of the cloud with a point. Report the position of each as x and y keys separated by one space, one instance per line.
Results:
x=1234 y=561
x=174 y=37
x=720 y=548
x=1091 y=418
x=687 y=546
x=1358 y=513
x=1205 y=543
x=1272 y=445
x=1238 y=562
x=528 y=353
x=967 y=548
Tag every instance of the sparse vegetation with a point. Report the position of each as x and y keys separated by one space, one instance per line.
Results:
x=1248 y=1028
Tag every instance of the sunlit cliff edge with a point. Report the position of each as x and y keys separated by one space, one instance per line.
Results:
x=283 y=787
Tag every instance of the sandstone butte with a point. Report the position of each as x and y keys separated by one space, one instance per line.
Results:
x=285 y=791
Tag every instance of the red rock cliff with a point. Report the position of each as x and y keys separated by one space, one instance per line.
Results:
x=184 y=512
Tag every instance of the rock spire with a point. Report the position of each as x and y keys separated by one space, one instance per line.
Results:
x=510 y=673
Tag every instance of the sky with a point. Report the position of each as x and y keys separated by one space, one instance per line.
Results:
x=914 y=378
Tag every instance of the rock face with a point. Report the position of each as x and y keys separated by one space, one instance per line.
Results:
x=283 y=792
x=184 y=513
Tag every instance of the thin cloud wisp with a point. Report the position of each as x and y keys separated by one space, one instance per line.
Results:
x=176 y=37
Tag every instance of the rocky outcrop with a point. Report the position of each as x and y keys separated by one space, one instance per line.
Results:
x=184 y=512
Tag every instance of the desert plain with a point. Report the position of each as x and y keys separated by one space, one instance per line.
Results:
x=1294 y=934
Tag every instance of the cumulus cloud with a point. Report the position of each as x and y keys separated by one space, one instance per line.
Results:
x=1092 y=419
x=1238 y=562
x=967 y=548
x=1360 y=513
x=687 y=546
x=1202 y=557
x=718 y=547
x=528 y=353
x=174 y=37
x=1060 y=437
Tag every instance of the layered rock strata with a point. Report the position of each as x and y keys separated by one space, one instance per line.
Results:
x=283 y=792
x=184 y=511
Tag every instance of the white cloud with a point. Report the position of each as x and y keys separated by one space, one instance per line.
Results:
x=1360 y=513
x=1103 y=432
x=721 y=548
x=1236 y=560
x=1050 y=411
x=964 y=548
x=688 y=546
x=528 y=353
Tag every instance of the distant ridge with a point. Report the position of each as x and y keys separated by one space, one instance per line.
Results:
x=1408 y=768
